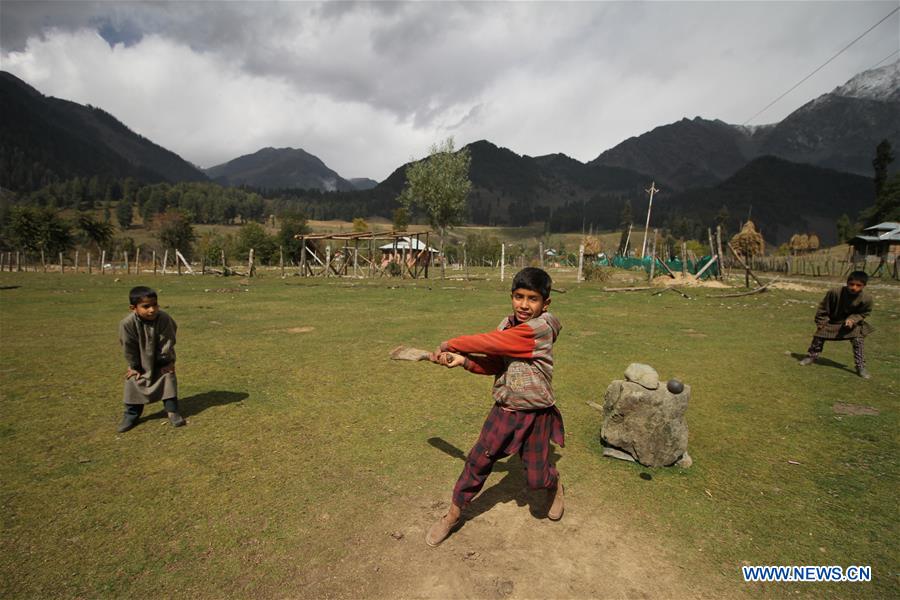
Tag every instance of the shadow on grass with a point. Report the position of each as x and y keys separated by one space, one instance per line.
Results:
x=511 y=487
x=824 y=362
x=196 y=404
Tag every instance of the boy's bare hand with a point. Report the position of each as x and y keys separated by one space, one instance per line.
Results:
x=451 y=359
x=849 y=323
x=131 y=373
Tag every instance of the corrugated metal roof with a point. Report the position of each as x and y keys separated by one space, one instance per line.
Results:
x=406 y=243
x=887 y=231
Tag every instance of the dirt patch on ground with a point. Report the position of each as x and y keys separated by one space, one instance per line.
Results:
x=843 y=408
x=795 y=287
x=686 y=281
x=306 y=329
x=693 y=333
x=507 y=548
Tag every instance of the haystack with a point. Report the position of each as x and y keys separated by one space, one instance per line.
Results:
x=591 y=245
x=749 y=242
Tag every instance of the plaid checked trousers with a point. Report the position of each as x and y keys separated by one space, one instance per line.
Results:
x=818 y=343
x=504 y=433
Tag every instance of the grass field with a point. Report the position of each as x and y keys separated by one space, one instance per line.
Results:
x=312 y=463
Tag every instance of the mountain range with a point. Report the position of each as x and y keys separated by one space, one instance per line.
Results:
x=838 y=130
x=279 y=168
x=43 y=139
x=700 y=164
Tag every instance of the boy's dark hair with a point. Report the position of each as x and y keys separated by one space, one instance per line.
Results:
x=859 y=276
x=534 y=279
x=139 y=293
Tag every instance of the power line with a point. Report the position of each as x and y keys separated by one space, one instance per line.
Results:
x=839 y=52
x=885 y=58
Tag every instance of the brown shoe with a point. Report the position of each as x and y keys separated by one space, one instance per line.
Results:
x=439 y=531
x=557 y=503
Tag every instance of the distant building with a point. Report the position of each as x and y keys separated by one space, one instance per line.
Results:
x=882 y=240
x=411 y=249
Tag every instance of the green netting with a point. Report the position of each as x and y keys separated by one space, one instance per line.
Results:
x=693 y=267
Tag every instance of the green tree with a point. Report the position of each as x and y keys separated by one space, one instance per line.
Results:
x=155 y=204
x=175 y=232
x=211 y=245
x=360 y=225
x=292 y=225
x=97 y=233
x=887 y=206
x=401 y=218
x=845 y=228
x=883 y=158
x=125 y=213
x=253 y=235
x=722 y=219
x=35 y=229
x=440 y=186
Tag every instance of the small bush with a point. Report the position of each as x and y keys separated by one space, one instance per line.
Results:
x=592 y=272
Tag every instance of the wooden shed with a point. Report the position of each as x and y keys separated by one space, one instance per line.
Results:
x=882 y=240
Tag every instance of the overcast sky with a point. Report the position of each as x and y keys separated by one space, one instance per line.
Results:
x=368 y=86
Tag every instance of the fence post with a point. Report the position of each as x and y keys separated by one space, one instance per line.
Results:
x=61 y=267
x=153 y=258
x=502 y=261
x=89 y=262
x=165 y=260
x=281 y=261
x=76 y=261
x=466 y=261
x=250 y=267
x=224 y=265
x=137 y=261
x=303 y=255
x=720 y=251
x=580 y=276
x=177 y=262
x=103 y=262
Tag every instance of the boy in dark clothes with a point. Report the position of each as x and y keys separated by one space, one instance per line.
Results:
x=841 y=316
x=148 y=337
x=524 y=418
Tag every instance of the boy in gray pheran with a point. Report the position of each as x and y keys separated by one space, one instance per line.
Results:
x=842 y=316
x=148 y=337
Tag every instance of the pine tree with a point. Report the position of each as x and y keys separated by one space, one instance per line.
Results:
x=124 y=213
x=883 y=158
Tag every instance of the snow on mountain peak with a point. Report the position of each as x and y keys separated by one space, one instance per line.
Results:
x=875 y=84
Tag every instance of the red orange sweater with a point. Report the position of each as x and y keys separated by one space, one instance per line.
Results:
x=519 y=355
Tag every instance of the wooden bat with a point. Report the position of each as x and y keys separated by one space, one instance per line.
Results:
x=409 y=353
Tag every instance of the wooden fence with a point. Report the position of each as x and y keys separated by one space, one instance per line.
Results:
x=819 y=266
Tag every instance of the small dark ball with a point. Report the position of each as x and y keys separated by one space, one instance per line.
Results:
x=675 y=386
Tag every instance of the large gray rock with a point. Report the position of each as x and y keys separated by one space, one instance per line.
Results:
x=648 y=424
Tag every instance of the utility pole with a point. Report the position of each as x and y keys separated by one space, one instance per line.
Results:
x=651 y=191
